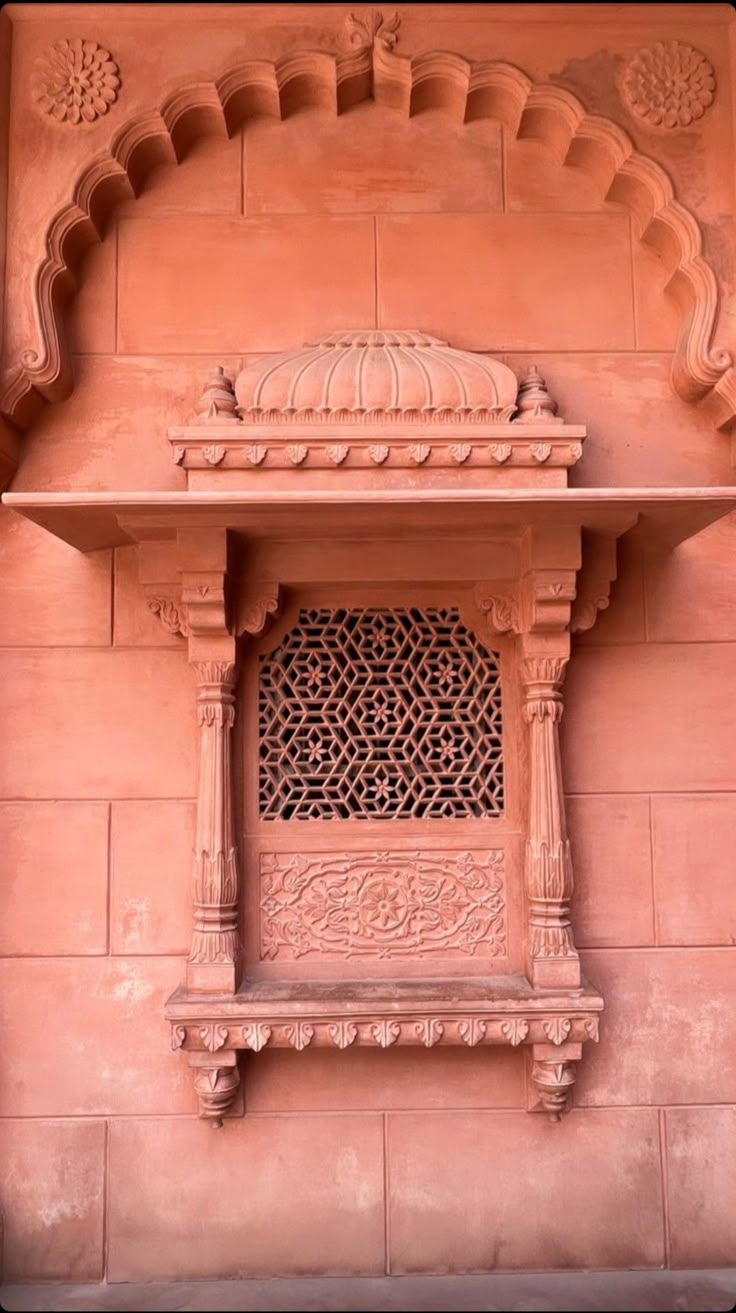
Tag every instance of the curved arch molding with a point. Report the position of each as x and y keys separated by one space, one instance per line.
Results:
x=437 y=80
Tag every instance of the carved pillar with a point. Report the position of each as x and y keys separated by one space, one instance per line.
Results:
x=187 y=590
x=215 y=942
x=202 y=559
x=553 y=959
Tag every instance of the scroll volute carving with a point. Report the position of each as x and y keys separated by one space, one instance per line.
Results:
x=258 y=606
x=498 y=603
x=161 y=585
x=553 y=599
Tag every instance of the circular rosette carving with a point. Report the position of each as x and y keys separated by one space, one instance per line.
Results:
x=75 y=81
x=669 y=85
x=383 y=905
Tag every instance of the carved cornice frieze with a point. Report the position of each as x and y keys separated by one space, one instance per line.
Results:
x=313 y=1030
x=193 y=450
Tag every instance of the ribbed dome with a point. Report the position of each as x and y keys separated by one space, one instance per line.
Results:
x=377 y=375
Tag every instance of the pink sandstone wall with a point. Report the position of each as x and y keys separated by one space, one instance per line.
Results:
x=364 y=1161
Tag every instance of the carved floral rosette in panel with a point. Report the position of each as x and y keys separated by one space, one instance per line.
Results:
x=383 y=905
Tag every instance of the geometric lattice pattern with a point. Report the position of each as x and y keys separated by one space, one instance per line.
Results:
x=373 y=713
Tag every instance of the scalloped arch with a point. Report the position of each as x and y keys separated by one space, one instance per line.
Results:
x=465 y=90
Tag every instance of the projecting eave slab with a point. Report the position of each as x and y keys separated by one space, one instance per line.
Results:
x=90 y=521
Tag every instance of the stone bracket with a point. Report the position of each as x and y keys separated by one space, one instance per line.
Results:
x=552 y=1029
x=552 y=1073
x=549 y=599
x=188 y=591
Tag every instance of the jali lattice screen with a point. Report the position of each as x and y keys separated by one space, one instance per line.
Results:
x=370 y=713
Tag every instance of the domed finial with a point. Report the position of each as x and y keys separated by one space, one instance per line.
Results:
x=534 y=403
x=217 y=403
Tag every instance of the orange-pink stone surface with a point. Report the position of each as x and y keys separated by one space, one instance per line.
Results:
x=366 y=1161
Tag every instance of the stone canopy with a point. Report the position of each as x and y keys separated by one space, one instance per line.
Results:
x=391 y=374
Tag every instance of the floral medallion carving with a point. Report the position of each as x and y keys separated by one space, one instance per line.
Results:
x=75 y=81
x=669 y=85
x=384 y=905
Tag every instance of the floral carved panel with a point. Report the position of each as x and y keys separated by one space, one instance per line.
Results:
x=383 y=905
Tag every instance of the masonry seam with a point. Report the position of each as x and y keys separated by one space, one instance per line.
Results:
x=665 y=1185
x=652 y=876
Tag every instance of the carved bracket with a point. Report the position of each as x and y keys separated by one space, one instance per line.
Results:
x=551 y=1077
x=258 y=607
x=594 y=580
x=540 y=602
x=172 y=614
x=552 y=1038
x=216 y=1080
x=499 y=603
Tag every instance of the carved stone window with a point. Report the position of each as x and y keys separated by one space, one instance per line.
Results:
x=369 y=713
x=380 y=868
